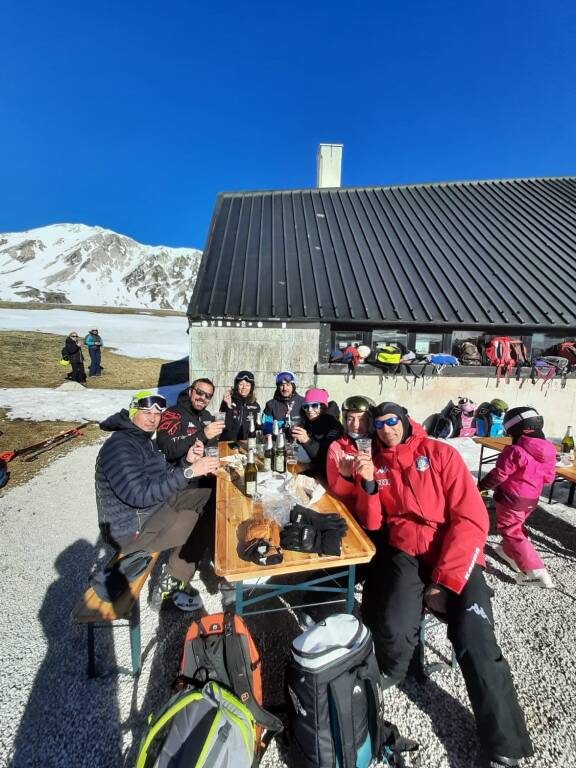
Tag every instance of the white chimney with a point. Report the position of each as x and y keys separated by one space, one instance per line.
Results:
x=329 y=167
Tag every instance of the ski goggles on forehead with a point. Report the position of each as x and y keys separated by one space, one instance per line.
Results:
x=389 y=422
x=249 y=379
x=286 y=377
x=156 y=402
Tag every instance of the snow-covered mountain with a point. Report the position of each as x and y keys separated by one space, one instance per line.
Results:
x=77 y=264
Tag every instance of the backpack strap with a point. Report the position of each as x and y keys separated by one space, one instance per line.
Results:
x=240 y=678
x=340 y=691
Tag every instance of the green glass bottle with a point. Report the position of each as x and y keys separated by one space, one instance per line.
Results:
x=250 y=475
x=568 y=444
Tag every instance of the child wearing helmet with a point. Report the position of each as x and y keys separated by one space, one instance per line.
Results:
x=521 y=470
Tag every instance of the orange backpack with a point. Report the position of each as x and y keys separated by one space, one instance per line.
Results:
x=220 y=647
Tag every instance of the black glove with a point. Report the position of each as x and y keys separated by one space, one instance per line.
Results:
x=321 y=522
x=300 y=538
x=311 y=531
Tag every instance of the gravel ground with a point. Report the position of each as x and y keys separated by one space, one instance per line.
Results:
x=52 y=715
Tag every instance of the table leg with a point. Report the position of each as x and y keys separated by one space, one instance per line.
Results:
x=571 y=494
x=480 y=465
x=239 y=598
x=351 y=580
x=135 y=641
x=552 y=490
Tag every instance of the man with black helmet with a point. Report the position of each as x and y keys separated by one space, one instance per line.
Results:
x=420 y=493
x=356 y=415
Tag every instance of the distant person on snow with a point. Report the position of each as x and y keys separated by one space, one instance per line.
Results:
x=521 y=471
x=189 y=420
x=72 y=351
x=146 y=504
x=94 y=343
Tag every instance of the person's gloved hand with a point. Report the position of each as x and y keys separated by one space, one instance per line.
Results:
x=436 y=600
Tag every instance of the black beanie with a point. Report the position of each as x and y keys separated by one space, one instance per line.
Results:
x=397 y=410
x=523 y=421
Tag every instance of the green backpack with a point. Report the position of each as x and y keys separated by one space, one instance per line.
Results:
x=207 y=728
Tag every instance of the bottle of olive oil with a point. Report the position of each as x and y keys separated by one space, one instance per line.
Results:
x=568 y=444
x=250 y=475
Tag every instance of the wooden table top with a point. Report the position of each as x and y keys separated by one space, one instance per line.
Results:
x=233 y=507
x=499 y=443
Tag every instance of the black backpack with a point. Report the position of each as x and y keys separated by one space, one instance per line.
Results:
x=448 y=422
x=335 y=702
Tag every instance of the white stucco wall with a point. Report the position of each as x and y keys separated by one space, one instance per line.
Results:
x=557 y=405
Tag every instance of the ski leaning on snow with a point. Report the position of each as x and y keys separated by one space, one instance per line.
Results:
x=31 y=452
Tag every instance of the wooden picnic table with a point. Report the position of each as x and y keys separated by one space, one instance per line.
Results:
x=499 y=443
x=233 y=508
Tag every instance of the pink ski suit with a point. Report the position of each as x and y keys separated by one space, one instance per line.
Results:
x=518 y=477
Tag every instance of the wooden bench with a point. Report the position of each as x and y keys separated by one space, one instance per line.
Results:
x=97 y=614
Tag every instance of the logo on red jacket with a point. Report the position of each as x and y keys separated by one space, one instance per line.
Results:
x=422 y=463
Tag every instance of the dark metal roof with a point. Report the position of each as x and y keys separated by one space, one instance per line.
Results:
x=483 y=253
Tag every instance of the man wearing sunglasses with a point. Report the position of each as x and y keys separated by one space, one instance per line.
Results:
x=146 y=504
x=419 y=492
x=286 y=401
x=189 y=420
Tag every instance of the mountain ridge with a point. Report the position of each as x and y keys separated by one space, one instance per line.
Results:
x=81 y=264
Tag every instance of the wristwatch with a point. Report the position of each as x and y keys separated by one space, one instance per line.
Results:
x=189 y=472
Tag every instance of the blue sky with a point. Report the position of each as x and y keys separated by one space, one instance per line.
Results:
x=134 y=115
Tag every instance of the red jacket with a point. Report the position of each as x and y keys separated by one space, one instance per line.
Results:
x=340 y=486
x=430 y=505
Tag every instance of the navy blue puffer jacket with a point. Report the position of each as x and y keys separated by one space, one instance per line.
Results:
x=133 y=479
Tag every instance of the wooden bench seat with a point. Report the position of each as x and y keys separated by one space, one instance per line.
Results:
x=97 y=613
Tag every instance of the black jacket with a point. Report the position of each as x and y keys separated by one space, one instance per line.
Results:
x=133 y=479
x=181 y=426
x=278 y=407
x=237 y=422
x=322 y=431
x=72 y=351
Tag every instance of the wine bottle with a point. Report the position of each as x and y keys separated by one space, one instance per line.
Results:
x=250 y=475
x=268 y=454
x=251 y=434
x=275 y=432
x=259 y=435
x=288 y=428
x=568 y=444
x=280 y=455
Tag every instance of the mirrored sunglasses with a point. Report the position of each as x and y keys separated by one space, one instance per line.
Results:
x=390 y=422
x=153 y=401
x=308 y=406
x=201 y=393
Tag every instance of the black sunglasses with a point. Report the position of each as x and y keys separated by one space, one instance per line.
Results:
x=201 y=393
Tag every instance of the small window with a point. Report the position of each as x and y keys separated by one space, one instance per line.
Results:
x=343 y=339
x=382 y=338
x=475 y=336
x=428 y=343
x=541 y=342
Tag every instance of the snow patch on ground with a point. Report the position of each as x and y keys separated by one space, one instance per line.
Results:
x=43 y=404
x=135 y=335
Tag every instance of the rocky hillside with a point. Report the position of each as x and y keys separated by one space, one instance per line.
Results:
x=77 y=264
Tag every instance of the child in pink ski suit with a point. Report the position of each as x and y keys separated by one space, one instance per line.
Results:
x=522 y=469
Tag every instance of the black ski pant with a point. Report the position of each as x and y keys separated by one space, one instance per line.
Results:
x=392 y=607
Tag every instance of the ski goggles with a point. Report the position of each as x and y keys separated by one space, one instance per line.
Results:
x=310 y=406
x=249 y=377
x=285 y=377
x=391 y=421
x=156 y=402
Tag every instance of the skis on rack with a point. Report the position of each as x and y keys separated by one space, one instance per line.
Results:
x=31 y=452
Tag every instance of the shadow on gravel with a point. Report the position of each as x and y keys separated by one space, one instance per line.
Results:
x=66 y=714
x=552 y=527
x=451 y=721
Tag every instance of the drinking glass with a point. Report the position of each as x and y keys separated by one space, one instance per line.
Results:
x=220 y=416
x=364 y=445
x=212 y=450
x=291 y=457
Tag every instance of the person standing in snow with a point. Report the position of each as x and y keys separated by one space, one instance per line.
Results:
x=419 y=493
x=521 y=471
x=94 y=343
x=72 y=351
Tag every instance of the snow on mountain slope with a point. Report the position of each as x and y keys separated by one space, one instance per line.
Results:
x=77 y=264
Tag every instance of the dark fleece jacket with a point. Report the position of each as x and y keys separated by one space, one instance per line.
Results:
x=181 y=426
x=133 y=479
x=322 y=431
